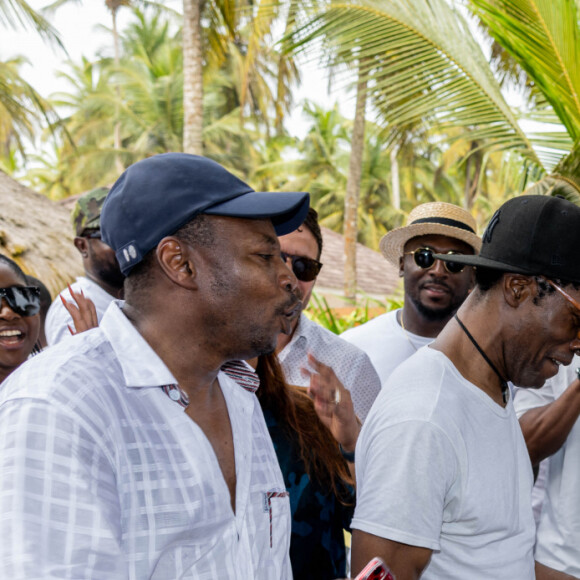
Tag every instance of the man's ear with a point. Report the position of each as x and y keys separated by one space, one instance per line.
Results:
x=401 y=266
x=82 y=245
x=471 y=279
x=518 y=288
x=176 y=261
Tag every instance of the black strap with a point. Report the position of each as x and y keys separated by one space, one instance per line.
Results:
x=445 y=222
x=504 y=385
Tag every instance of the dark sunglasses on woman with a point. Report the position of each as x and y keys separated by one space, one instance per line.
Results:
x=305 y=269
x=23 y=300
x=425 y=259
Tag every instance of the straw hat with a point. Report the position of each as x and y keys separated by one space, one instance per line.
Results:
x=436 y=218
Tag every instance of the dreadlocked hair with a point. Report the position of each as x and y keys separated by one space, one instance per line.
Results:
x=294 y=410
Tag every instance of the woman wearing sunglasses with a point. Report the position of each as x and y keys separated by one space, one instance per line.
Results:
x=19 y=317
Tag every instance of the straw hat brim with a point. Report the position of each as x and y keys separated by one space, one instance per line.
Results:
x=393 y=242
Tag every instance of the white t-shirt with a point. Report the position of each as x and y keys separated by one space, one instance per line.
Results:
x=58 y=318
x=440 y=465
x=385 y=342
x=558 y=536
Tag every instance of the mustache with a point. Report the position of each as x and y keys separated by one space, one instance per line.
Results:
x=291 y=304
x=435 y=280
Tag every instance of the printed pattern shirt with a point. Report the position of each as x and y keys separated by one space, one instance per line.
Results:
x=350 y=364
x=106 y=477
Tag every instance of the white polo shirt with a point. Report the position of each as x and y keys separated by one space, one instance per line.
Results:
x=105 y=477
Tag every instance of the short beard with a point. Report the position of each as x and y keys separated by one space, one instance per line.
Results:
x=112 y=276
x=435 y=315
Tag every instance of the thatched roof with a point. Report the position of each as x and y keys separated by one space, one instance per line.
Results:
x=37 y=234
x=375 y=276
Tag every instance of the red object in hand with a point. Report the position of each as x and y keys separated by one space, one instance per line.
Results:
x=376 y=569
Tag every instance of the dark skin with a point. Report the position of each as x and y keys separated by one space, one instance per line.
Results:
x=204 y=306
x=545 y=573
x=522 y=339
x=100 y=264
x=17 y=333
x=436 y=289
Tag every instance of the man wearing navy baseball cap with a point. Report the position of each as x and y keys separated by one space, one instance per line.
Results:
x=125 y=452
x=444 y=478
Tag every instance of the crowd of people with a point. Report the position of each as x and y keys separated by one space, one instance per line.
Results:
x=174 y=413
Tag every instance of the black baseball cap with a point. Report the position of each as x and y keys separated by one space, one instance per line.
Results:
x=535 y=235
x=156 y=196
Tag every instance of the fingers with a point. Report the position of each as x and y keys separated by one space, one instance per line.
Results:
x=83 y=313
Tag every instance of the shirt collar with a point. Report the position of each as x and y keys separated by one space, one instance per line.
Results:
x=141 y=365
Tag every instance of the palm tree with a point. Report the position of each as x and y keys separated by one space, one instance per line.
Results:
x=21 y=107
x=426 y=69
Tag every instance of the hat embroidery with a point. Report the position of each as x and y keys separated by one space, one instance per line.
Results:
x=557 y=260
x=487 y=235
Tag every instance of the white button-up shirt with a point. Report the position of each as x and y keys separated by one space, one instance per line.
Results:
x=103 y=476
x=350 y=364
x=58 y=319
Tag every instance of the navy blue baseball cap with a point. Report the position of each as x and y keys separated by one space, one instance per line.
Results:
x=157 y=196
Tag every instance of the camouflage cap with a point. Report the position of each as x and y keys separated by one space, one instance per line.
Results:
x=86 y=213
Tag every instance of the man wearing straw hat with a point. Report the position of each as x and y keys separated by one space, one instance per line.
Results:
x=443 y=473
x=434 y=290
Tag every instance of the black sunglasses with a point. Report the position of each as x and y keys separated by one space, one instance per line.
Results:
x=23 y=300
x=425 y=259
x=305 y=269
x=91 y=234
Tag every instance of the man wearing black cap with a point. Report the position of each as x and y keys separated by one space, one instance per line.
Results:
x=125 y=453
x=443 y=474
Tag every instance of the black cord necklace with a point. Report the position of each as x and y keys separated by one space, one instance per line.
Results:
x=504 y=385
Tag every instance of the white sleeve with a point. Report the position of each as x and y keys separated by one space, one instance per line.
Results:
x=404 y=475
x=57 y=321
x=59 y=506
x=364 y=385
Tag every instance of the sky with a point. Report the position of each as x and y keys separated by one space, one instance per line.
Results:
x=84 y=32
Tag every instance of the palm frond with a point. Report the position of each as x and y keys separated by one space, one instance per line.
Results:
x=19 y=14
x=422 y=64
x=544 y=37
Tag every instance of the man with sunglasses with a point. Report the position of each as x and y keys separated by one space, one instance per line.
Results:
x=103 y=280
x=125 y=452
x=301 y=250
x=434 y=289
x=444 y=477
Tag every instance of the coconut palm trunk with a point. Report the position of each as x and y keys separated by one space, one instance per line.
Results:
x=114 y=7
x=353 y=188
x=192 y=77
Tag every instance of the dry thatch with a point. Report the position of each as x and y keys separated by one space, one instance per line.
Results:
x=37 y=234
x=375 y=276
